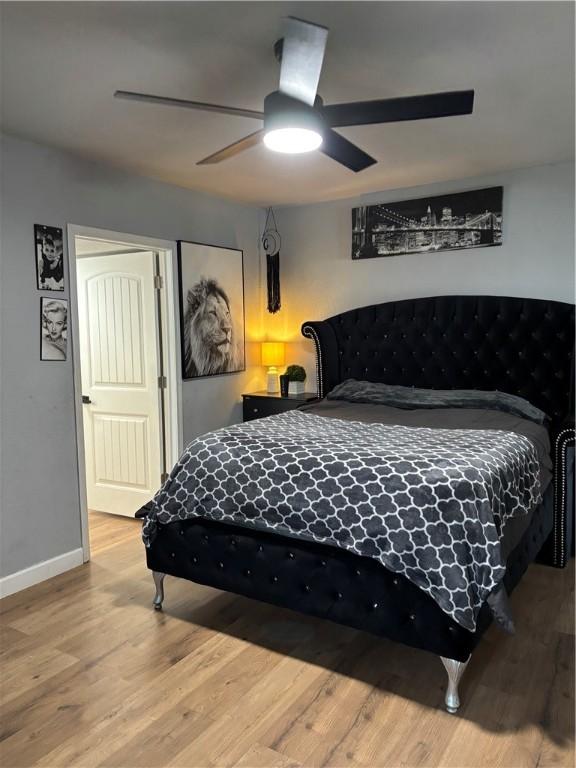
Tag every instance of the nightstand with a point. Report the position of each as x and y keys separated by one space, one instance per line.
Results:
x=260 y=404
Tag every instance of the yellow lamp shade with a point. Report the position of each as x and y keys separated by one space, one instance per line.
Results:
x=272 y=353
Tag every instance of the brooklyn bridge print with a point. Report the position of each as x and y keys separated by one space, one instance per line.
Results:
x=428 y=224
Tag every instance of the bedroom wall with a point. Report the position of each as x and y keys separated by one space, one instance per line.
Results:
x=319 y=278
x=39 y=497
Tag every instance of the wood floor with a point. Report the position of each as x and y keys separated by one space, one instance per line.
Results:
x=92 y=676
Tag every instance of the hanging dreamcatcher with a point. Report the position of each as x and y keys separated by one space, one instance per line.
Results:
x=271 y=244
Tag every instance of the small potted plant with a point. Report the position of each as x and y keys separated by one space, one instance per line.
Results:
x=296 y=377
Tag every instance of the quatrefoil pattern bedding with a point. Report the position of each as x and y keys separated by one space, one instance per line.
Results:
x=427 y=503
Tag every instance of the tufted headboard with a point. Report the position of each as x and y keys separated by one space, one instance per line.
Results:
x=521 y=346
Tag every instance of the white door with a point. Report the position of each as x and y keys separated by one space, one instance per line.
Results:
x=120 y=367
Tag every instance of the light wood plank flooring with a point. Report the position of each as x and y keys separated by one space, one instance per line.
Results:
x=92 y=676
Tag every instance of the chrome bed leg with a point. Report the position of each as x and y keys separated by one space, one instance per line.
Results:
x=159 y=583
x=455 y=670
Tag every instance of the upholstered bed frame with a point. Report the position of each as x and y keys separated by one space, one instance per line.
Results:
x=520 y=346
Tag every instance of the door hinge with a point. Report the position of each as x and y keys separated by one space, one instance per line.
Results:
x=162 y=383
x=163 y=477
x=158 y=282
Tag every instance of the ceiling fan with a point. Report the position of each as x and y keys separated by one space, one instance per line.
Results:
x=295 y=117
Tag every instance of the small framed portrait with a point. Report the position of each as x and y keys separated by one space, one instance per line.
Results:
x=53 y=328
x=211 y=309
x=49 y=258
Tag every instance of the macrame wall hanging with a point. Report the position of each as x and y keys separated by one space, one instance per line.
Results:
x=271 y=243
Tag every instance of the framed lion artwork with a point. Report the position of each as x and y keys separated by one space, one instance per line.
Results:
x=211 y=309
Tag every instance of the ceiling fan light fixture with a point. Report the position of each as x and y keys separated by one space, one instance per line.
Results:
x=292 y=141
x=290 y=126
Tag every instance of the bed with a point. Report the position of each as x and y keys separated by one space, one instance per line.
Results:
x=523 y=347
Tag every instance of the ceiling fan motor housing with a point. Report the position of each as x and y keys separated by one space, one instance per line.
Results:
x=281 y=111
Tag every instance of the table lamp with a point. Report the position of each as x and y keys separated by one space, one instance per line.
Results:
x=272 y=357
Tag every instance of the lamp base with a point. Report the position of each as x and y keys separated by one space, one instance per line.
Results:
x=272 y=384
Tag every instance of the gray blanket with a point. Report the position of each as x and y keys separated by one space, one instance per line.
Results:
x=427 y=503
x=413 y=398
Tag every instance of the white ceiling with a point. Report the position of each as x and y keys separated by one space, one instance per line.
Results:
x=61 y=63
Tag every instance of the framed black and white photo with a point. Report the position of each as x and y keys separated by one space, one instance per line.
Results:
x=53 y=328
x=428 y=224
x=49 y=245
x=211 y=309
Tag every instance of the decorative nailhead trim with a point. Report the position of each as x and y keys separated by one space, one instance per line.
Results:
x=563 y=439
x=310 y=333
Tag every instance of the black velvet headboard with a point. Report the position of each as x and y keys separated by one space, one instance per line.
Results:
x=521 y=346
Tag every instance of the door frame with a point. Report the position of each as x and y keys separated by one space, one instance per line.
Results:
x=170 y=346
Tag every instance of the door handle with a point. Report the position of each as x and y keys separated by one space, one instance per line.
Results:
x=86 y=400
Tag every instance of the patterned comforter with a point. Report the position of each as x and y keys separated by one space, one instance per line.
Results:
x=429 y=504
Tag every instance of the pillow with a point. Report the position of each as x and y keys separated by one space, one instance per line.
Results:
x=354 y=391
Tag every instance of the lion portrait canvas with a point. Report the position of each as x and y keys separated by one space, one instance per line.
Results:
x=211 y=309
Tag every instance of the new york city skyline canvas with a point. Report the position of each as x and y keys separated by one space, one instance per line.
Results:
x=428 y=224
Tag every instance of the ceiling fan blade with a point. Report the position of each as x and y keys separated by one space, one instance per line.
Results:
x=302 y=55
x=170 y=102
x=395 y=110
x=344 y=152
x=233 y=149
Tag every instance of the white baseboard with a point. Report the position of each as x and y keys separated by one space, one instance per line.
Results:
x=40 y=572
